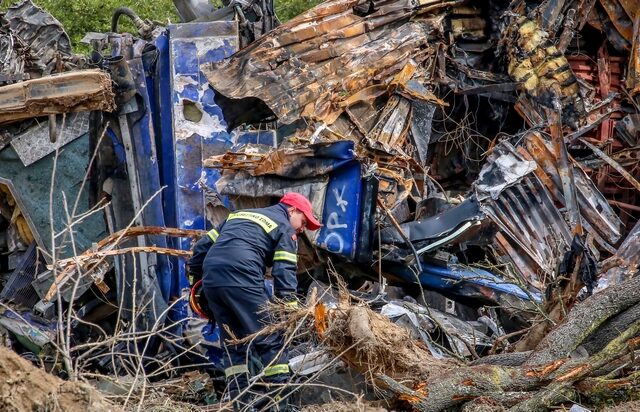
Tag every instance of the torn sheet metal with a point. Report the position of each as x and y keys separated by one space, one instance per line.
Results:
x=530 y=225
x=77 y=91
x=597 y=215
x=526 y=212
x=432 y=229
x=465 y=282
x=625 y=262
x=320 y=55
x=35 y=335
x=425 y=323
x=34 y=143
x=12 y=66
x=617 y=18
x=243 y=184
x=633 y=71
x=49 y=46
x=288 y=161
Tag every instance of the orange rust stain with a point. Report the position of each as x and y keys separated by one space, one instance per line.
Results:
x=467 y=382
x=634 y=342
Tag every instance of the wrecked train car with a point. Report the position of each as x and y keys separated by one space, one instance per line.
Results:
x=472 y=155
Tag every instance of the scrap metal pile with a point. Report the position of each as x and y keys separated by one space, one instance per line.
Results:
x=475 y=166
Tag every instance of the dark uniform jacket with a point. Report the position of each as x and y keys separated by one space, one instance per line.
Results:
x=237 y=253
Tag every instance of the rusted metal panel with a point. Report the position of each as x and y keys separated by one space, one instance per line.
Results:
x=320 y=57
x=77 y=91
x=633 y=71
x=618 y=16
x=593 y=206
x=524 y=212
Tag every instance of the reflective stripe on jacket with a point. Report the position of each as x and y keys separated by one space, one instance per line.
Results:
x=248 y=242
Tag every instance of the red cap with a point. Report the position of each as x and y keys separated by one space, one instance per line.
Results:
x=302 y=204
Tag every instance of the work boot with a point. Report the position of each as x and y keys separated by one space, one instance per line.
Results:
x=274 y=398
x=237 y=384
x=242 y=403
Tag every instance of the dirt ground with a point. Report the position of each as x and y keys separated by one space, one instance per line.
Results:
x=24 y=387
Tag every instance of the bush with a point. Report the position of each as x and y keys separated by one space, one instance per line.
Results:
x=81 y=16
x=288 y=9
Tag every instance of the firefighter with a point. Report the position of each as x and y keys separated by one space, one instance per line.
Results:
x=232 y=260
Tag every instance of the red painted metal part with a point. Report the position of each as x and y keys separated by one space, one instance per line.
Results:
x=605 y=74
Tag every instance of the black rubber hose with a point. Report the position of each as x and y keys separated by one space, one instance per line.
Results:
x=127 y=12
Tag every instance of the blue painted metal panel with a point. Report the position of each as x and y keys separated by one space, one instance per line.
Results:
x=193 y=139
x=144 y=150
x=463 y=281
x=195 y=131
x=341 y=214
x=164 y=129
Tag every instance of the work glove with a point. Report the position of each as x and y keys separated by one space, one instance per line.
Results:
x=288 y=299
x=193 y=278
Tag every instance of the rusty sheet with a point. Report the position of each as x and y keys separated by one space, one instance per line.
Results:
x=76 y=91
x=520 y=190
x=597 y=216
x=307 y=66
x=633 y=72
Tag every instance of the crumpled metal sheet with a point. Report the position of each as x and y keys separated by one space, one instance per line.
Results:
x=633 y=71
x=597 y=215
x=617 y=18
x=47 y=41
x=532 y=232
x=423 y=322
x=307 y=66
x=287 y=161
x=12 y=53
x=625 y=263
x=522 y=201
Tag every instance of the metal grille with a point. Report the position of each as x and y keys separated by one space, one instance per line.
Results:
x=18 y=289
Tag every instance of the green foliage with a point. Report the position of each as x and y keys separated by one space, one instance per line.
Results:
x=288 y=9
x=81 y=16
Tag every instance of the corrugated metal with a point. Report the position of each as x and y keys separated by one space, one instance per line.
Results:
x=533 y=233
